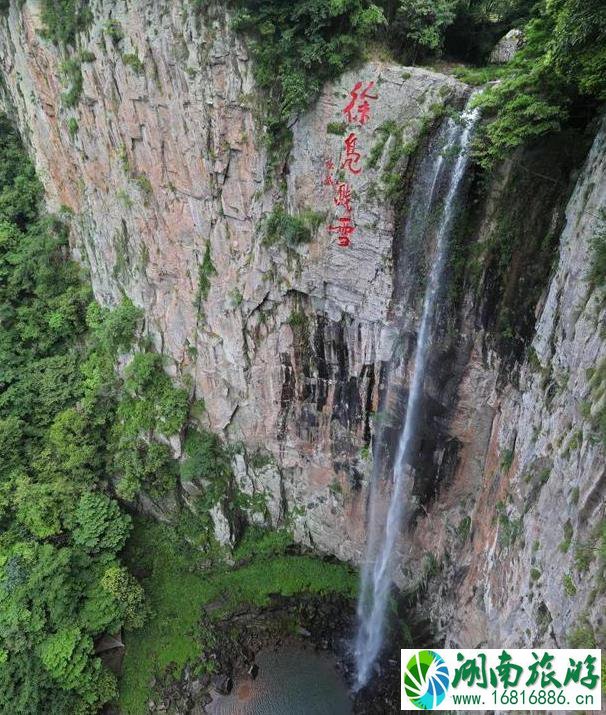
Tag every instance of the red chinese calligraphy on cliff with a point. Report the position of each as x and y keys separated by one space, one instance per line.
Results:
x=352 y=156
x=328 y=179
x=358 y=109
x=357 y=112
x=343 y=196
x=344 y=229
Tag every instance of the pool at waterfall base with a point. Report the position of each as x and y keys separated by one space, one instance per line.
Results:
x=292 y=680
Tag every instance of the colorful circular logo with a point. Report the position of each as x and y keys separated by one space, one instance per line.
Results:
x=426 y=679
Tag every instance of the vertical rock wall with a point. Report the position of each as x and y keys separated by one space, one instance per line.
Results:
x=162 y=164
x=517 y=531
x=165 y=166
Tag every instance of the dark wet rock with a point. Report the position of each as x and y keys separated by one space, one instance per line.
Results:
x=323 y=623
x=222 y=684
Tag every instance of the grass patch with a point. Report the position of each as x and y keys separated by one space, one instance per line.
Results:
x=569 y=587
x=205 y=272
x=597 y=273
x=509 y=528
x=567 y=540
x=178 y=588
x=280 y=226
x=131 y=59
x=72 y=127
x=477 y=76
x=597 y=384
x=464 y=528
x=338 y=128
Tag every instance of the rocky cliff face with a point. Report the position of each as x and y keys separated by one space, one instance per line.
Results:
x=162 y=164
x=519 y=524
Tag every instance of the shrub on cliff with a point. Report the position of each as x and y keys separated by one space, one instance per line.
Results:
x=557 y=78
x=597 y=272
x=297 y=46
x=63 y=19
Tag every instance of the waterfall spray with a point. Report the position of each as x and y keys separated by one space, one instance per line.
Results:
x=377 y=570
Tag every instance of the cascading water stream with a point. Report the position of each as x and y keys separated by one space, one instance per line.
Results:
x=377 y=571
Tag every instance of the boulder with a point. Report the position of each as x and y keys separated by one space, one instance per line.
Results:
x=506 y=47
x=222 y=684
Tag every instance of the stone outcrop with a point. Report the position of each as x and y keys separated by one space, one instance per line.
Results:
x=506 y=47
x=163 y=166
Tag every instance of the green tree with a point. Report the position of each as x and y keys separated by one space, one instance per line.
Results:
x=559 y=72
x=419 y=27
x=126 y=591
x=297 y=47
x=58 y=396
x=100 y=527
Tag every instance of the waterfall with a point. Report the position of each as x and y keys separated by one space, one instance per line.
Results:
x=383 y=533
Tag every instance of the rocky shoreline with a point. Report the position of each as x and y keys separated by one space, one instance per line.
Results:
x=323 y=623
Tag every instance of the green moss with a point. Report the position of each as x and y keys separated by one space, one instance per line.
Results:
x=535 y=574
x=177 y=591
x=569 y=587
x=131 y=59
x=72 y=127
x=338 y=128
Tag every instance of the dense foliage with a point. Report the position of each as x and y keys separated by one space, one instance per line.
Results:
x=556 y=79
x=178 y=587
x=61 y=584
x=418 y=27
x=63 y=19
x=297 y=46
